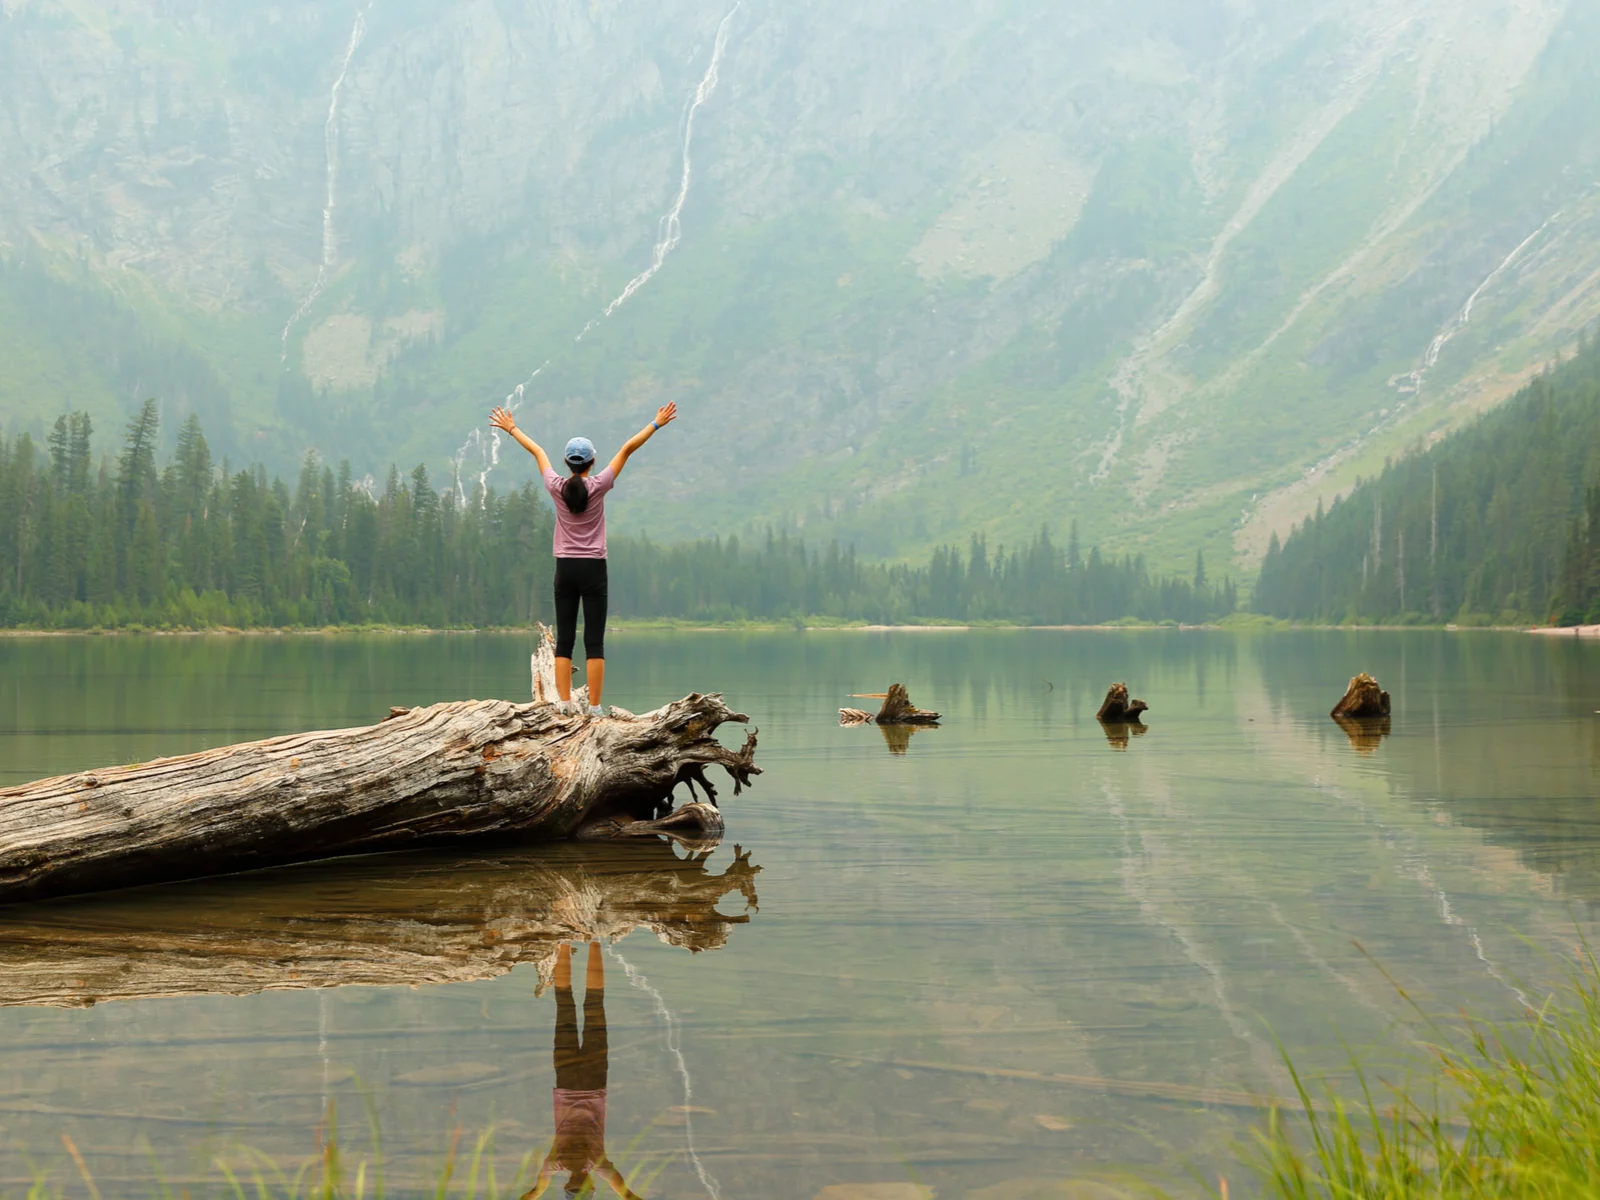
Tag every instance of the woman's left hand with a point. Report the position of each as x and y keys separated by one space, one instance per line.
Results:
x=666 y=413
x=501 y=418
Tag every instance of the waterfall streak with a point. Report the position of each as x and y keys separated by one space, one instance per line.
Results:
x=670 y=234
x=1148 y=876
x=670 y=1025
x=330 y=145
x=671 y=228
x=1414 y=379
x=1464 y=317
x=322 y=1046
x=1418 y=869
x=1415 y=867
x=488 y=448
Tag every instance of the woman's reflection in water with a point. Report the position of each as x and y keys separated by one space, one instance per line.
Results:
x=580 y=1095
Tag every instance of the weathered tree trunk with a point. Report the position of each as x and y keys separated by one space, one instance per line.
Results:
x=462 y=769
x=897 y=709
x=383 y=920
x=1118 y=708
x=1362 y=699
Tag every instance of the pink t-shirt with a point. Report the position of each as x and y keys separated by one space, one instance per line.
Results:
x=580 y=1142
x=581 y=535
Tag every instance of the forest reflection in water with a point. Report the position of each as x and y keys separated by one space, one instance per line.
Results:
x=1025 y=955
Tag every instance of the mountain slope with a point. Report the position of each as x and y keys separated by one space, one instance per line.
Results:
x=1495 y=523
x=1178 y=270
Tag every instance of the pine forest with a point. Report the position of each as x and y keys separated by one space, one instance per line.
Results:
x=1498 y=524
x=108 y=543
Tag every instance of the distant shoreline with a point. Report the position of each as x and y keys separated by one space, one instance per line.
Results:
x=614 y=626
x=1264 y=625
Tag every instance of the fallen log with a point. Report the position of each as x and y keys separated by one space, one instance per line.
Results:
x=422 y=777
x=390 y=920
x=1362 y=699
x=896 y=709
x=1118 y=709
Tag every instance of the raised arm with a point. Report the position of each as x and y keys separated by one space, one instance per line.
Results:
x=663 y=415
x=619 y=1185
x=542 y=1183
x=502 y=419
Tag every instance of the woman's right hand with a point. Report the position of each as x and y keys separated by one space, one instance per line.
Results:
x=501 y=418
x=666 y=413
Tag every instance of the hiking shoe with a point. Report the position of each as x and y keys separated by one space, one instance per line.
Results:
x=596 y=710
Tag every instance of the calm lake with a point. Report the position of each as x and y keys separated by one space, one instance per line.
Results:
x=1008 y=953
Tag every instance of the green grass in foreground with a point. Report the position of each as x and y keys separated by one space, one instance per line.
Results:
x=468 y=1169
x=1508 y=1111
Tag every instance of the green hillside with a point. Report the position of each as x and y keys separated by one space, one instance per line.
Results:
x=1499 y=522
x=1176 y=278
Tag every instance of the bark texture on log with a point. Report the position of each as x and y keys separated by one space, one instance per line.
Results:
x=383 y=920
x=896 y=709
x=1362 y=699
x=1118 y=708
x=423 y=776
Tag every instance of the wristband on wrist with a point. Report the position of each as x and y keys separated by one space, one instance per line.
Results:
x=654 y=426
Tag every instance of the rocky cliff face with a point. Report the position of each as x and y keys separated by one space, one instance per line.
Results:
x=1178 y=269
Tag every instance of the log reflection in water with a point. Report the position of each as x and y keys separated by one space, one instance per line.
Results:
x=1366 y=734
x=1119 y=732
x=898 y=737
x=383 y=920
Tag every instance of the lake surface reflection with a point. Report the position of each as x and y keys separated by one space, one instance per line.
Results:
x=1002 y=957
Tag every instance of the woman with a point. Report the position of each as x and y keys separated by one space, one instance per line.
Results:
x=579 y=1146
x=580 y=547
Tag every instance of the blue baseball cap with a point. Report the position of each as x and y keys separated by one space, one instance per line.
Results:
x=580 y=452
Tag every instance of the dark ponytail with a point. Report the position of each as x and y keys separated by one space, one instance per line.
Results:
x=575 y=494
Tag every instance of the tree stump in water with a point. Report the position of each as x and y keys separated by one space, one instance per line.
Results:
x=897 y=709
x=1118 y=709
x=389 y=920
x=423 y=776
x=1363 y=699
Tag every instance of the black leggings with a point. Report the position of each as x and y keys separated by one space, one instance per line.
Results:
x=581 y=579
x=581 y=1066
